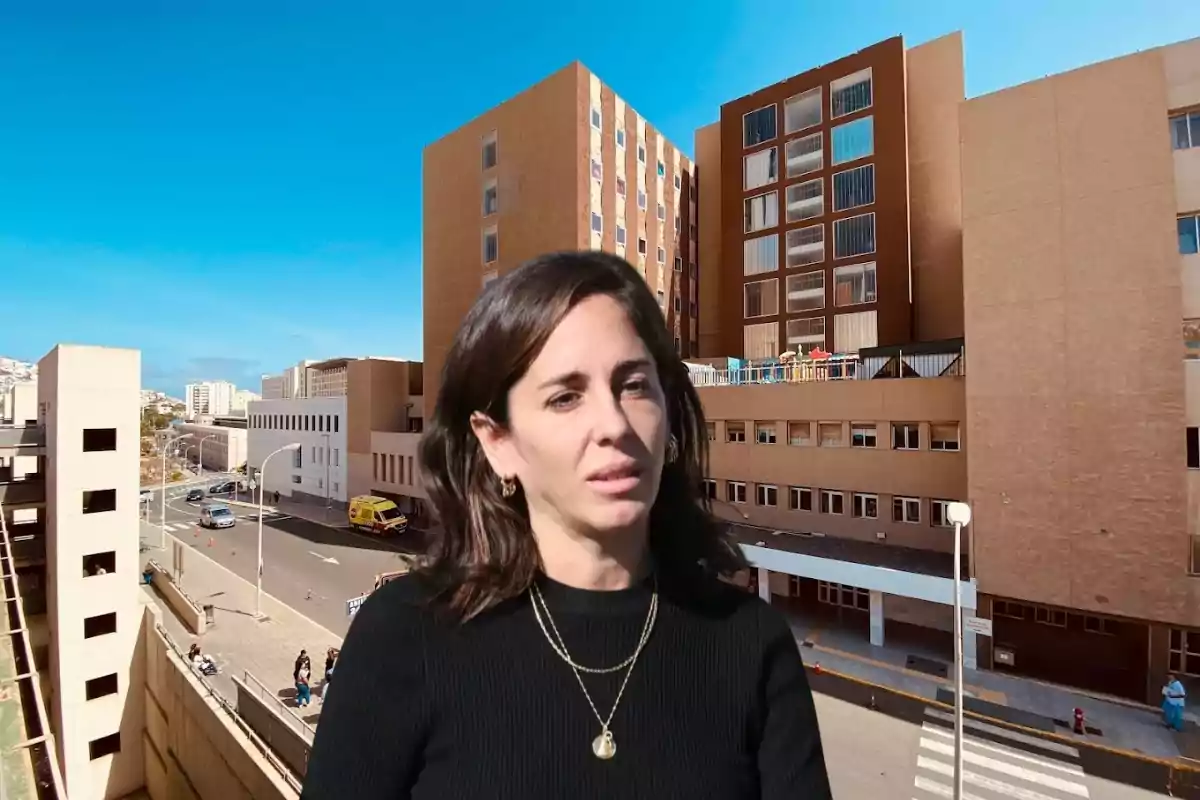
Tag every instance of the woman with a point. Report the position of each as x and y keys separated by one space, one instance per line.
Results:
x=569 y=636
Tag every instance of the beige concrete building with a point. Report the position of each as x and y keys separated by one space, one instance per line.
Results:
x=564 y=165
x=222 y=448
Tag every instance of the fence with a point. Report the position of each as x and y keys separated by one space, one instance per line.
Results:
x=286 y=713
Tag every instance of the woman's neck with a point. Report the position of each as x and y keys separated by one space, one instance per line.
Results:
x=615 y=560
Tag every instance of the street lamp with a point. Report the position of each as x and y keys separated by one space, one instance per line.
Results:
x=200 y=472
x=959 y=515
x=168 y=442
x=262 y=487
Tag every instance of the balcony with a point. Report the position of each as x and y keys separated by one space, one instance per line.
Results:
x=27 y=491
x=921 y=360
x=22 y=436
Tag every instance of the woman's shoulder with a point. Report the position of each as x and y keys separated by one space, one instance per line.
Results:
x=401 y=608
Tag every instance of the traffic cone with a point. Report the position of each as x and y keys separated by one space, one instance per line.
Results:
x=211 y=541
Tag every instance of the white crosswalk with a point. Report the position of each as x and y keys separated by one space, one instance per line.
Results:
x=1006 y=764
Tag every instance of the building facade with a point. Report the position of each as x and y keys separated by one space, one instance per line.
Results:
x=566 y=164
x=316 y=472
x=208 y=398
x=224 y=447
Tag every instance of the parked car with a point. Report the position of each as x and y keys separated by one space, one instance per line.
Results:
x=147 y=495
x=216 y=515
x=195 y=494
x=223 y=488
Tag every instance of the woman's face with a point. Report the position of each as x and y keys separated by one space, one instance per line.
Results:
x=587 y=424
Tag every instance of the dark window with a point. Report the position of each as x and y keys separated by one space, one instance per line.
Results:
x=100 y=563
x=758 y=126
x=104 y=746
x=329 y=422
x=1193 y=448
x=97 y=440
x=99 y=501
x=101 y=687
x=854 y=188
x=99 y=625
x=321 y=423
x=335 y=424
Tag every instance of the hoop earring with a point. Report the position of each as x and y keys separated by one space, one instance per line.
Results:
x=672 y=449
x=508 y=487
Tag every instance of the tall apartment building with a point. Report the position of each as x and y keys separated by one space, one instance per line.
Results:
x=564 y=165
x=289 y=384
x=69 y=530
x=209 y=398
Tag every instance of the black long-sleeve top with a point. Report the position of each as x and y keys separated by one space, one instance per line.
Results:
x=718 y=705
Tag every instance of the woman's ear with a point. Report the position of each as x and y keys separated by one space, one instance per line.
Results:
x=496 y=443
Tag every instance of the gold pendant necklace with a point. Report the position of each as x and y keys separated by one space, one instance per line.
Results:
x=604 y=746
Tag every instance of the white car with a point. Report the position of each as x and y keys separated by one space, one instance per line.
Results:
x=147 y=495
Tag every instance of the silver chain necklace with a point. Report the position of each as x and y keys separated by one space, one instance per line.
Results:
x=603 y=746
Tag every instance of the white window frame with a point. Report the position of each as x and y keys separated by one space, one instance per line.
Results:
x=827 y=498
x=710 y=488
x=772 y=176
x=597 y=119
x=641 y=199
x=662 y=213
x=489 y=138
x=764 y=492
x=621 y=236
x=874 y=244
x=641 y=245
x=858 y=505
x=490 y=185
x=833 y=186
x=492 y=231
x=788 y=291
x=939 y=446
x=641 y=153
x=787 y=201
x=939 y=513
x=761 y=141
x=795 y=493
x=862 y=268
x=868 y=121
x=766 y=429
x=819 y=136
x=597 y=223
x=795 y=441
x=906 y=506
x=906 y=427
x=662 y=255
x=621 y=186
x=845 y=82
x=751 y=247
x=488 y=277
x=855 y=427
x=597 y=170
x=801 y=96
x=766 y=204
x=734 y=489
x=737 y=433
x=745 y=309
x=788 y=336
x=620 y=137
x=813 y=259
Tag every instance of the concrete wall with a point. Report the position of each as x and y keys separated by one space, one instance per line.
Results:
x=223 y=452
x=194 y=749
x=274 y=423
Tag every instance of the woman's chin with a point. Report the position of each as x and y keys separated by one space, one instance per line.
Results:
x=618 y=515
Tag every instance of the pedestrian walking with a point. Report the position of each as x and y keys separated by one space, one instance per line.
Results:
x=1174 y=698
x=302 y=662
x=330 y=662
x=303 y=689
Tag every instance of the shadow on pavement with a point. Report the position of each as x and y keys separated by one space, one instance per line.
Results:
x=409 y=542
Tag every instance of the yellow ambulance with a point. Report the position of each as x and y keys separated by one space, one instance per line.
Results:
x=376 y=515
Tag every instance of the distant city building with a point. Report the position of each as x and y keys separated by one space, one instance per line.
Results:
x=242 y=399
x=209 y=397
x=224 y=447
x=291 y=384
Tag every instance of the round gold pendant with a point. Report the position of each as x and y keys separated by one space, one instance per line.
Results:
x=603 y=746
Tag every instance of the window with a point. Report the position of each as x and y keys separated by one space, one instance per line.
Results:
x=642 y=153
x=853 y=140
x=849 y=94
x=854 y=284
x=836 y=594
x=803 y=335
x=854 y=187
x=297 y=458
x=938 y=513
x=1189 y=235
x=906 y=509
x=597 y=170
x=678 y=183
x=906 y=436
x=642 y=245
x=805 y=200
x=806 y=246
x=99 y=625
x=1184 y=652
x=488 y=277
x=1193 y=448
x=100 y=687
x=620 y=134
x=761 y=340
x=1185 y=130
x=662 y=170
x=1054 y=617
x=735 y=431
x=679 y=263
x=711 y=428
x=1098 y=625
x=852 y=332
x=805 y=292
x=805 y=155
x=800 y=498
x=489 y=150
x=98 y=501
x=829 y=434
x=662 y=256
x=800 y=434
x=295 y=479
x=766 y=495
x=621 y=234
x=662 y=212
x=761 y=168
x=854 y=236
x=832 y=502
x=865 y=506
x=100 y=563
x=761 y=298
x=709 y=487
x=621 y=187
x=99 y=440
x=943 y=436
x=597 y=222
x=759 y=126
x=104 y=746
x=1007 y=608
x=862 y=434
x=595 y=118
x=490 y=205
x=491 y=247
x=761 y=212
x=764 y=432
x=735 y=492
x=641 y=200
x=760 y=254
x=802 y=111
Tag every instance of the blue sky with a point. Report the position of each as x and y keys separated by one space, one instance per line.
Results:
x=231 y=186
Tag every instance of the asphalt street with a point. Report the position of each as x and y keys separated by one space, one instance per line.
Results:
x=313 y=568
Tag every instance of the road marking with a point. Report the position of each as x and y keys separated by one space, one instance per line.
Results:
x=1045 y=744
x=1005 y=751
x=1004 y=767
x=329 y=560
x=983 y=781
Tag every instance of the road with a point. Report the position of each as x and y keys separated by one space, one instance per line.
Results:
x=310 y=567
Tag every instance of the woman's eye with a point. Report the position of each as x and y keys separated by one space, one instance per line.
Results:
x=637 y=386
x=564 y=400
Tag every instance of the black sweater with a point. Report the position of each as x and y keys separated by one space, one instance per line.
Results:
x=718 y=705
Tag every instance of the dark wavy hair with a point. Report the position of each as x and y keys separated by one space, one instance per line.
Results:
x=485 y=552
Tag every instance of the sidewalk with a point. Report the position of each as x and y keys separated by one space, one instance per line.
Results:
x=1124 y=724
x=239 y=642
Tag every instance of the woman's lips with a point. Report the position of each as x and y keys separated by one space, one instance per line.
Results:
x=616 y=480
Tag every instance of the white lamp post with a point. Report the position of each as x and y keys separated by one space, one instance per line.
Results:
x=200 y=472
x=262 y=487
x=959 y=515
x=166 y=445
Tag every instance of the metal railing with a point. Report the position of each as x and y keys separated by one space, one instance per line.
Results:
x=286 y=712
x=847 y=367
x=43 y=751
x=229 y=709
